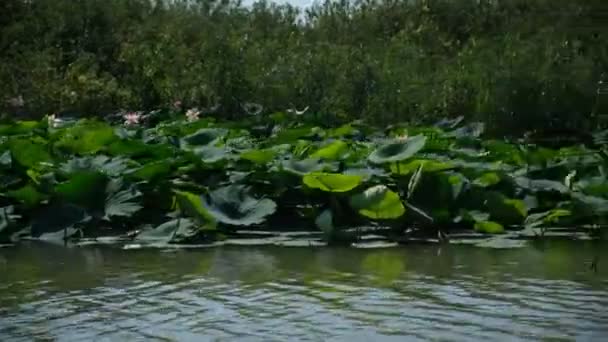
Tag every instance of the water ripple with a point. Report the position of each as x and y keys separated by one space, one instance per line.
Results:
x=276 y=296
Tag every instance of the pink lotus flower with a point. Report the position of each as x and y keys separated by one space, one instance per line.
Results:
x=193 y=114
x=132 y=118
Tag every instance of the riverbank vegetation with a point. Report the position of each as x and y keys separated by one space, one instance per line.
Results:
x=174 y=176
x=514 y=65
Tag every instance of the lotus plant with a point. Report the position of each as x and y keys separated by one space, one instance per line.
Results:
x=192 y=114
x=53 y=121
x=132 y=118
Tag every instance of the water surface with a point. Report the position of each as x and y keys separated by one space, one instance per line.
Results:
x=452 y=293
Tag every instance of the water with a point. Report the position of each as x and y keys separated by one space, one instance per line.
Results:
x=451 y=293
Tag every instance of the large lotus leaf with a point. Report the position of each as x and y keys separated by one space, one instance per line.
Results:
x=139 y=150
x=29 y=153
x=597 y=205
x=378 y=202
x=20 y=127
x=473 y=216
x=541 y=185
x=28 y=195
x=192 y=205
x=332 y=151
x=168 y=231
x=113 y=167
x=366 y=172
x=503 y=209
x=344 y=130
x=398 y=150
x=203 y=137
x=83 y=188
x=548 y=217
x=482 y=166
x=472 y=130
x=234 y=206
x=487 y=179
x=489 y=227
x=212 y=154
x=87 y=137
x=332 y=182
x=261 y=156
x=594 y=186
x=58 y=218
x=428 y=165
x=121 y=200
x=153 y=170
x=302 y=167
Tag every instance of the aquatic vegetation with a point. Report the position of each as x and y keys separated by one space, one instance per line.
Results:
x=173 y=180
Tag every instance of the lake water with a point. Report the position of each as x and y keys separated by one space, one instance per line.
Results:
x=545 y=291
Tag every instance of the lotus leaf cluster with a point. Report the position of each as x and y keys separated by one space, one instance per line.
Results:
x=179 y=180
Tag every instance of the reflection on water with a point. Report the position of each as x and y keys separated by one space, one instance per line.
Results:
x=420 y=292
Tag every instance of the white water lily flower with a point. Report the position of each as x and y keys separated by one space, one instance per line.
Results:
x=193 y=114
x=132 y=118
x=377 y=190
x=53 y=120
x=402 y=137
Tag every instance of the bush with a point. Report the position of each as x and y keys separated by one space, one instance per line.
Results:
x=516 y=65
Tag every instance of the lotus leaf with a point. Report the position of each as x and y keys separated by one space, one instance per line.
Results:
x=405 y=168
x=489 y=227
x=86 y=137
x=378 y=202
x=114 y=167
x=487 y=179
x=153 y=170
x=192 y=205
x=168 y=231
x=259 y=156
x=29 y=153
x=398 y=150
x=203 y=137
x=331 y=182
x=82 y=188
x=121 y=200
x=333 y=151
x=302 y=167
x=28 y=195
x=232 y=205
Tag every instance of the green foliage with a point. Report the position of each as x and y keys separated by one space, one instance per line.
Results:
x=513 y=65
x=208 y=181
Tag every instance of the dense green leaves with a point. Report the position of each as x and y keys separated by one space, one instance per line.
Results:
x=204 y=179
